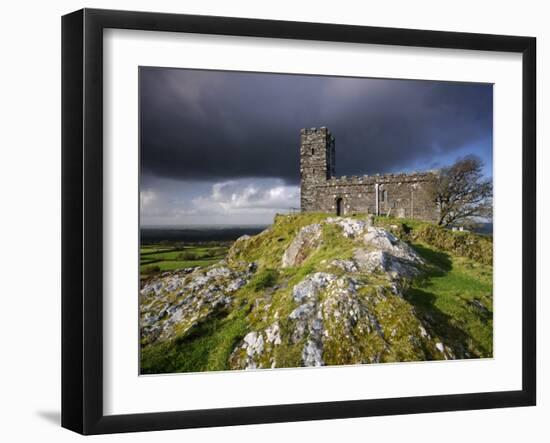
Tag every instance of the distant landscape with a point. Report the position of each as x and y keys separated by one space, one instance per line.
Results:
x=172 y=248
x=150 y=235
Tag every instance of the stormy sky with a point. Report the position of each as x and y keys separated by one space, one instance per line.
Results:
x=221 y=147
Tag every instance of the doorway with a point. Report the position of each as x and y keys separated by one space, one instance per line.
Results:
x=339 y=206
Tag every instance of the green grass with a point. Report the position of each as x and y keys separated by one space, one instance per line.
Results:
x=206 y=347
x=455 y=295
x=173 y=265
x=478 y=247
x=266 y=278
x=156 y=258
x=152 y=249
x=455 y=298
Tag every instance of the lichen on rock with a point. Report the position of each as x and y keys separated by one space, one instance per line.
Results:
x=383 y=240
x=307 y=239
x=186 y=299
x=351 y=228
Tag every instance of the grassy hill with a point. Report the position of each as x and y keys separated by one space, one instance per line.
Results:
x=318 y=290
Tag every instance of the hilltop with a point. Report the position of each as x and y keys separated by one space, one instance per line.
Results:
x=315 y=290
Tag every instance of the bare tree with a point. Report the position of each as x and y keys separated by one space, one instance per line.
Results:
x=462 y=194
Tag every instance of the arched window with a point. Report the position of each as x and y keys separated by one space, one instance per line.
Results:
x=312 y=151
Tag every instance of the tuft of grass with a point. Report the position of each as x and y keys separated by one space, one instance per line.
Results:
x=148 y=270
x=263 y=279
x=207 y=347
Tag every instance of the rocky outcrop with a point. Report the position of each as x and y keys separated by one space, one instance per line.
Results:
x=308 y=238
x=175 y=303
x=382 y=240
x=351 y=323
x=351 y=228
x=307 y=318
x=322 y=307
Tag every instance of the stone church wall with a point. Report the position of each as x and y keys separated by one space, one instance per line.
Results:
x=399 y=195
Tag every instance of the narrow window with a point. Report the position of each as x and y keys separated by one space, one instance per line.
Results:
x=312 y=151
x=384 y=196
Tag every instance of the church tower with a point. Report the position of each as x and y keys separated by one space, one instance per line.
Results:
x=317 y=162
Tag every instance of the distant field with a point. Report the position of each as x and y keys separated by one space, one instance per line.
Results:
x=160 y=258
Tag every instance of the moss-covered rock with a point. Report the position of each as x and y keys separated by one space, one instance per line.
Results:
x=314 y=290
x=303 y=244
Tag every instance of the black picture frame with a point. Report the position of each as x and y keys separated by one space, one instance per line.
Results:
x=82 y=218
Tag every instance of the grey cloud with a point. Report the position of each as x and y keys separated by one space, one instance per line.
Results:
x=215 y=125
x=239 y=201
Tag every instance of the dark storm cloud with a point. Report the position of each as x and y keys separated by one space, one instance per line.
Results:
x=215 y=125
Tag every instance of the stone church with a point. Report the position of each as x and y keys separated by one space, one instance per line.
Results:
x=397 y=195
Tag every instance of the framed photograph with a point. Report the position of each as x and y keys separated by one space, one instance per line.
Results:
x=268 y=221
